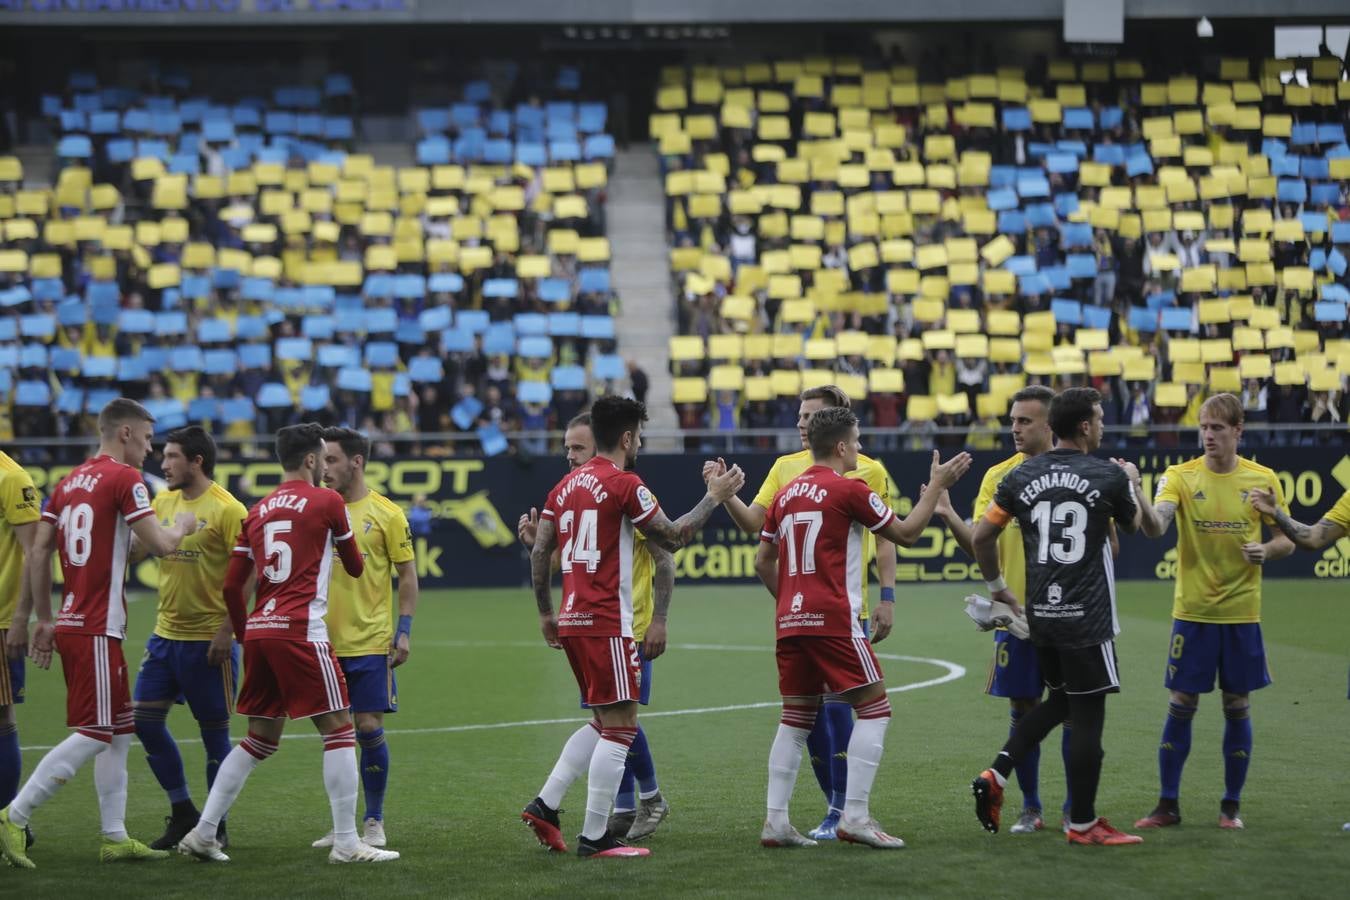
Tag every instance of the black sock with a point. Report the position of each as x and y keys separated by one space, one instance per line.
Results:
x=1229 y=808
x=1030 y=731
x=185 y=809
x=1085 y=755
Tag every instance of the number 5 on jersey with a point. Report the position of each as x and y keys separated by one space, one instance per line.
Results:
x=278 y=552
x=584 y=547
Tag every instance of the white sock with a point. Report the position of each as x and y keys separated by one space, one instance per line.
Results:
x=340 y=779
x=230 y=778
x=864 y=756
x=110 y=780
x=602 y=786
x=56 y=768
x=785 y=758
x=574 y=761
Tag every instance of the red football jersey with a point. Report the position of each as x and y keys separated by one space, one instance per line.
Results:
x=817 y=521
x=595 y=509
x=93 y=508
x=289 y=535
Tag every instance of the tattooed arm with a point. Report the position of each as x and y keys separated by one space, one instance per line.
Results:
x=541 y=576
x=663 y=587
x=673 y=535
x=1309 y=537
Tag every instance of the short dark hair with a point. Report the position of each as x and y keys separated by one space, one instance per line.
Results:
x=834 y=396
x=827 y=428
x=353 y=442
x=121 y=411
x=1034 y=392
x=294 y=442
x=580 y=419
x=195 y=442
x=1070 y=409
x=611 y=417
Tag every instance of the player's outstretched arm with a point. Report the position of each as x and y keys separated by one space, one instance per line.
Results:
x=984 y=538
x=958 y=526
x=1309 y=537
x=940 y=477
x=39 y=565
x=674 y=535
x=1152 y=520
x=541 y=577
x=663 y=589
x=748 y=518
x=160 y=541
x=766 y=566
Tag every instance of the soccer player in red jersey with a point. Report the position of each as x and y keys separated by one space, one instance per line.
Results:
x=594 y=511
x=811 y=559
x=290 y=670
x=92 y=514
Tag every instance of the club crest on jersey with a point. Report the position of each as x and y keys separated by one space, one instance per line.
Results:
x=140 y=495
x=69 y=602
x=797 y=600
x=571 y=599
x=1054 y=595
x=269 y=607
x=645 y=498
x=878 y=505
x=369 y=525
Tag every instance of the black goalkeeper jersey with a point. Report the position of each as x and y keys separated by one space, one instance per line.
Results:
x=1064 y=500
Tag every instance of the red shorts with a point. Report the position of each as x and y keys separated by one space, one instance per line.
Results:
x=607 y=668
x=98 y=694
x=299 y=679
x=808 y=666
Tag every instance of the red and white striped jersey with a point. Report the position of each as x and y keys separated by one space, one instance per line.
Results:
x=596 y=509
x=290 y=535
x=93 y=508
x=818 y=522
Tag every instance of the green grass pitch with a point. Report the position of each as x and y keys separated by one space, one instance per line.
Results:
x=476 y=738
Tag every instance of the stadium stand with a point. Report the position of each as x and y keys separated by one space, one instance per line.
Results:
x=932 y=247
x=239 y=263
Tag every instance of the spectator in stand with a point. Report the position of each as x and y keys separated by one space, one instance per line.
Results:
x=419 y=517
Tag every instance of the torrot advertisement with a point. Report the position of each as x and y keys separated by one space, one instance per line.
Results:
x=476 y=503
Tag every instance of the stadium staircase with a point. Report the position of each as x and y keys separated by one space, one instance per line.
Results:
x=641 y=275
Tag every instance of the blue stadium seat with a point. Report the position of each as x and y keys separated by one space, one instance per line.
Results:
x=564 y=151
x=1081 y=265
x=309 y=125
x=277 y=121
x=195 y=286
x=1097 y=316
x=497 y=152
x=9 y=357
x=534 y=347
x=73 y=312
x=381 y=321
x=153 y=147
x=409 y=286
x=381 y=355
x=170 y=323
x=352 y=378
x=70 y=401
x=48 y=289
x=315 y=396
x=1067 y=311
x=38 y=325
x=499 y=123
x=97 y=398
x=9 y=331
x=132 y=368
x=99 y=367
x=213 y=331
x=273 y=395
x=156 y=358
x=350 y=321
x=564 y=324
x=593 y=281
x=239 y=409
x=186 y=359
x=248 y=328
x=474 y=321
x=338 y=128
x=607 y=367
x=220 y=362
x=337 y=84
x=75 y=146
x=32 y=393
x=203 y=409
x=165 y=123
x=528 y=324
x=1176 y=319
x=434 y=120
x=169 y=414
x=598 y=146
x=555 y=290
x=296 y=349
x=561 y=131
x=425 y=368
x=218 y=131
x=64 y=359
x=437 y=318
x=15 y=296
x=465 y=115
x=568 y=378
x=317 y=328
x=73 y=120
x=591 y=117
x=457 y=340
x=534 y=392
x=106 y=122
x=445 y=283
x=531 y=154
x=336 y=356
x=499 y=339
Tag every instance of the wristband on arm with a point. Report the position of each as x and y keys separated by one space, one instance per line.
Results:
x=998 y=584
x=404 y=626
x=888 y=595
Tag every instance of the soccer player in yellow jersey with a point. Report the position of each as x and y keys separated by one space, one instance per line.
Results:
x=191 y=656
x=639 y=807
x=1330 y=528
x=20 y=509
x=1217 y=607
x=828 y=741
x=360 y=616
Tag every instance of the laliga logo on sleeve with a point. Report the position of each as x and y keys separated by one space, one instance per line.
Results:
x=797 y=599
x=878 y=505
x=140 y=495
x=1054 y=596
x=645 y=498
x=271 y=605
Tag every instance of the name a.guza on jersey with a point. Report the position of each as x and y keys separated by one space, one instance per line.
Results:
x=586 y=482
x=283 y=501
x=1068 y=480
x=814 y=492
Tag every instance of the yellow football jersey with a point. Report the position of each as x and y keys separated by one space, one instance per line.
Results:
x=20 y=504
x=191 y=599
x=643 y=595
x=1011 y=553
x=361 y=611
x=1214 y=517
x=871 y=471
x=1340 y=513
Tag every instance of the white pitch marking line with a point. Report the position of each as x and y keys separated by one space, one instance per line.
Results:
x=954 y=671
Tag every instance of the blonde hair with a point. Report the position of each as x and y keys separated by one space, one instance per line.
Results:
x=1225 y=407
